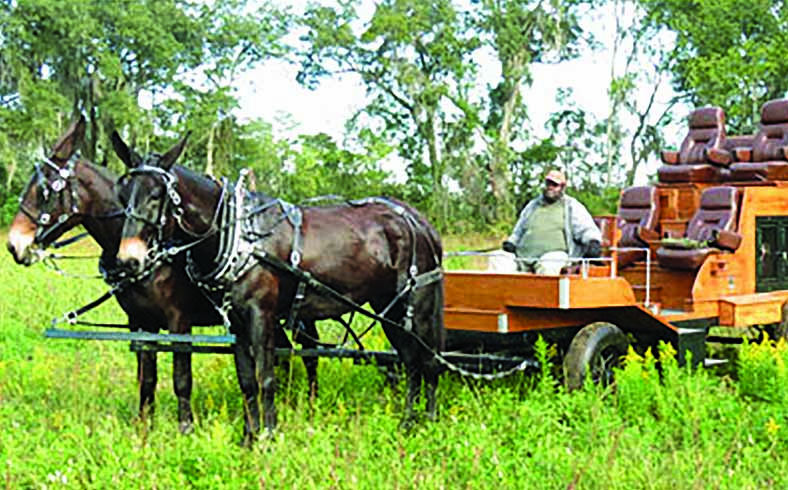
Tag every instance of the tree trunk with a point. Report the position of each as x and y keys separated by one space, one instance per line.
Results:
x=209 y=164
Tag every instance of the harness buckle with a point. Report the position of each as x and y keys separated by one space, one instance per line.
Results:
x=295 y=258
x=174 y=196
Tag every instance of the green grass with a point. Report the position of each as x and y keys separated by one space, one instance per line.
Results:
x=68 y=419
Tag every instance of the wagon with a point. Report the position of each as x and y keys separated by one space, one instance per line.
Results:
x=706 y=246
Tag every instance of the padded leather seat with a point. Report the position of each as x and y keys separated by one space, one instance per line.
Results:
x=711 y=230
x=703 y=156
x=769 y=147
x=638 y=218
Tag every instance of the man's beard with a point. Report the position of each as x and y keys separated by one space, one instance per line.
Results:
x=551 y=198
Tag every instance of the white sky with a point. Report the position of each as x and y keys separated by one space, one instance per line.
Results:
x=271 y=92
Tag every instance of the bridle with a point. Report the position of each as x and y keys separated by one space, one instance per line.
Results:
x=55 y=195
x=172 y=200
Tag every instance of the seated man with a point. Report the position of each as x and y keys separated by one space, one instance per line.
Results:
x=551 y=229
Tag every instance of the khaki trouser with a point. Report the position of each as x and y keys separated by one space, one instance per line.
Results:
x=549 y=264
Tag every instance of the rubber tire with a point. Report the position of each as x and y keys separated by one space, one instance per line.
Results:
x=593 y=344
x=781 y=330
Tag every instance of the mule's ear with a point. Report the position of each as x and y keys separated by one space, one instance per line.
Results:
x=123 y=152
x=68 y=143
x=173 y=153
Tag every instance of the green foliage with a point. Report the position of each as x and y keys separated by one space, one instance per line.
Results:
x=762 y=371
x=728 y=53
x=68 y=410
x=418 y=61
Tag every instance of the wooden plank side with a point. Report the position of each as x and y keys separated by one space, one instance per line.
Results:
x=491 y=291
x=471 y=320
x=596 y=292
x=752 y=309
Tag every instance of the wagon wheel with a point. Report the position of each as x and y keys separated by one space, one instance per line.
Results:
x=780 y=330
x=596 y=350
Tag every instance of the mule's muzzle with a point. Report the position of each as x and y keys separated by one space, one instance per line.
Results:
x=24 y=257
x=21 y=244
x=131 y=264
x=132 y=254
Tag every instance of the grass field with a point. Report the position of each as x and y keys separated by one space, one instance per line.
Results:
x=68 y=419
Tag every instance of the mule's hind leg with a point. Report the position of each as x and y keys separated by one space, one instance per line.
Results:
x=399 y=339
x=282 y=342
x=308 y=340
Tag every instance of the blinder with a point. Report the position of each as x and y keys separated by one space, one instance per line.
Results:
x=55 y=196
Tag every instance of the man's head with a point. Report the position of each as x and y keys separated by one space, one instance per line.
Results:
x=554 y=185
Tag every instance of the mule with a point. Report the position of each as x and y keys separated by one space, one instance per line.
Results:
x=65 y=192
x=376 y=251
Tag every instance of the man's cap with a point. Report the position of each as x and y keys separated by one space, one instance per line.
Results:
x=556 y=176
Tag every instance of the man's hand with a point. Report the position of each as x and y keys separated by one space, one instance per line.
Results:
x=508 y=246
x=593 y=249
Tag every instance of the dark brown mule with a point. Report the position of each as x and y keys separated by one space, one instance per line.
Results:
x=378 y=252
x=65 y=192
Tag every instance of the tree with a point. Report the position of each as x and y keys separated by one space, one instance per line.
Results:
x=100 y=57
x=638 y=68
x=413 y=58
x=417 y=61
x=729 y=53
x=520 y=33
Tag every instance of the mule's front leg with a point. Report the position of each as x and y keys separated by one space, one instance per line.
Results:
x=147 y=377
x=263 y=338
x=245 y=371
x=431 y=378
x=182 y=382
x=414 y=393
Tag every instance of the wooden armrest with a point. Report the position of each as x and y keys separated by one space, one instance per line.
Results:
x=728 y=240
x=718 y=156
x=670 y=157
x=742 y=154
x=647 y=235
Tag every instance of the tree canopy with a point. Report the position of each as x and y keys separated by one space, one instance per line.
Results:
x=445 y=84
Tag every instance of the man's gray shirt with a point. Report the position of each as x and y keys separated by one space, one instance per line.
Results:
x=579 y=226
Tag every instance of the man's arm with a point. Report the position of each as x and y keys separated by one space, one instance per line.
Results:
x=519 y=228
x=584 y=229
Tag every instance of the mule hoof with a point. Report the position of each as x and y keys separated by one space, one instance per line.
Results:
x=408 y=423
x=186 y=428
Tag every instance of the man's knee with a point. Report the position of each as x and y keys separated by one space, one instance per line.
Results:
x=551 y=263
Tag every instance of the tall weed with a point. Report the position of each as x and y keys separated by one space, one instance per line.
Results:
x=68 y=411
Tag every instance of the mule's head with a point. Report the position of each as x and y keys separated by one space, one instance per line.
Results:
x=152 y=199
x=51 y=203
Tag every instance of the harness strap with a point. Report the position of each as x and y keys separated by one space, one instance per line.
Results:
x=296 y=218
x=71 y=316
x=298 y=301
x=322 y=289
x=69 y=241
